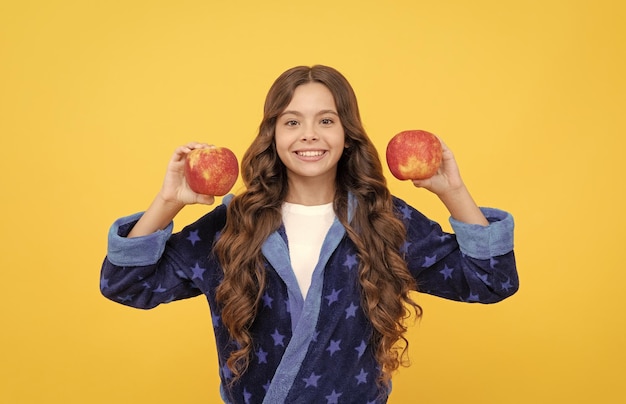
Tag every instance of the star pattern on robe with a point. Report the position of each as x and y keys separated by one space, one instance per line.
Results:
x=246 y=396
x=216 y=319
x=333 y=398
x=429 y=261
x=485 y=279
x=261 y=355
x=333 y=296
x=279 y=339
x=350 y=261
x=334 y=346
x=287 y=306
x=361 y=377
x=226 y=372
x=446 y=272
x=311 y=381
x=473 y=297
x=351 y=310
x=405 y=247
x=361 y=348
x=267 y=300
x=406 y=212
x=159 y=289
x=193 y=237
x=198 y=272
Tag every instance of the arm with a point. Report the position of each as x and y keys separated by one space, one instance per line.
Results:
x=160 y=267
x=146 y=265
x=476 y=263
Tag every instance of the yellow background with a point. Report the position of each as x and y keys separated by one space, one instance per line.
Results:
x=530 y=95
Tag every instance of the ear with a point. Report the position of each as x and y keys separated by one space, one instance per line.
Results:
x=347 y=149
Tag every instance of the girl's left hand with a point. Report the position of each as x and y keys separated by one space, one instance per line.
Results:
x=446 y=179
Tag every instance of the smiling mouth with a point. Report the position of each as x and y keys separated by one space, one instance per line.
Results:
x=310 y=153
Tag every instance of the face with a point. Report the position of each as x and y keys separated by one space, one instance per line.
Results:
x=309 y=136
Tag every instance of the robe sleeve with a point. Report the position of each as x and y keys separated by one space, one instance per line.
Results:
x=143 y=272
x=474 y=264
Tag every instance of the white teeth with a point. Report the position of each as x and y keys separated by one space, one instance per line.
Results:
x=310 y=153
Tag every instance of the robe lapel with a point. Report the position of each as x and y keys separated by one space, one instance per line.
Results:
x=304 y=316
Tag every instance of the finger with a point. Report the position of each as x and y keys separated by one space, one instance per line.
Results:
x=182 y=151
x=199 y=145
x=447 y=153
x=421 y=183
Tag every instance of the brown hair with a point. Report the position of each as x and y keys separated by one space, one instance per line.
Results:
x=375 y=230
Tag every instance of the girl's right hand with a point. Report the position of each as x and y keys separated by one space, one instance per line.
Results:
x=175 y=189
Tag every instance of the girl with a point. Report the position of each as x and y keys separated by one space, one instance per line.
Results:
x=308 y=271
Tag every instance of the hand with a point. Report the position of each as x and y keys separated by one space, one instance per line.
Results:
x=447 y=179
x=174 y=195
x=175 y=189
x=449 y=187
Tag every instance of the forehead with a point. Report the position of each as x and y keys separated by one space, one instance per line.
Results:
x=311 y=96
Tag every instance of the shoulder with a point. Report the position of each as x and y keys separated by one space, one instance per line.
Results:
x=406 y=212
x=203 y=232
x=215 y=219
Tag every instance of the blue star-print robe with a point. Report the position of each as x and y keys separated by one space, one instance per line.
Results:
x=316 y=350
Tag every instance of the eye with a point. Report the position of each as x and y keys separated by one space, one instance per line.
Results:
x=291 y=122
x=326 y=121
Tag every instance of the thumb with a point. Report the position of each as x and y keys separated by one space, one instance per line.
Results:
x=422 y=183
x=206 y=199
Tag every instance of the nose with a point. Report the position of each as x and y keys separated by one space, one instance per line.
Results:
x=309 y=133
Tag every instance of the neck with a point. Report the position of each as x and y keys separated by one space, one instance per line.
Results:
x=310 y=193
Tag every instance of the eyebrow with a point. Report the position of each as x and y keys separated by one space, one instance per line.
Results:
x=298 y=113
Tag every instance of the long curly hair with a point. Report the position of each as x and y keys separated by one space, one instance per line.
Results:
x=374 y=228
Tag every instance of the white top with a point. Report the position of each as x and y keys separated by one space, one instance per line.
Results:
x=306 y=228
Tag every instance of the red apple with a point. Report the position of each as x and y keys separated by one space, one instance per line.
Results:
x=414 y=155
x=211 y=171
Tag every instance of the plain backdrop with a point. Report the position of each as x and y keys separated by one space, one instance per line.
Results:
x=96 y=95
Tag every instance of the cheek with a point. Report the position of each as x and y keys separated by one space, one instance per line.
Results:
x=341 y=140
x=282 y=146
x=280 y=141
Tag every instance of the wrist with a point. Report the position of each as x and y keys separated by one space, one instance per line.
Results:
x=158 y=216
x=168 y=204
x=452 y=195
x=462 y=207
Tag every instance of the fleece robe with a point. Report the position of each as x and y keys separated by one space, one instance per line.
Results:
x=318 y=349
